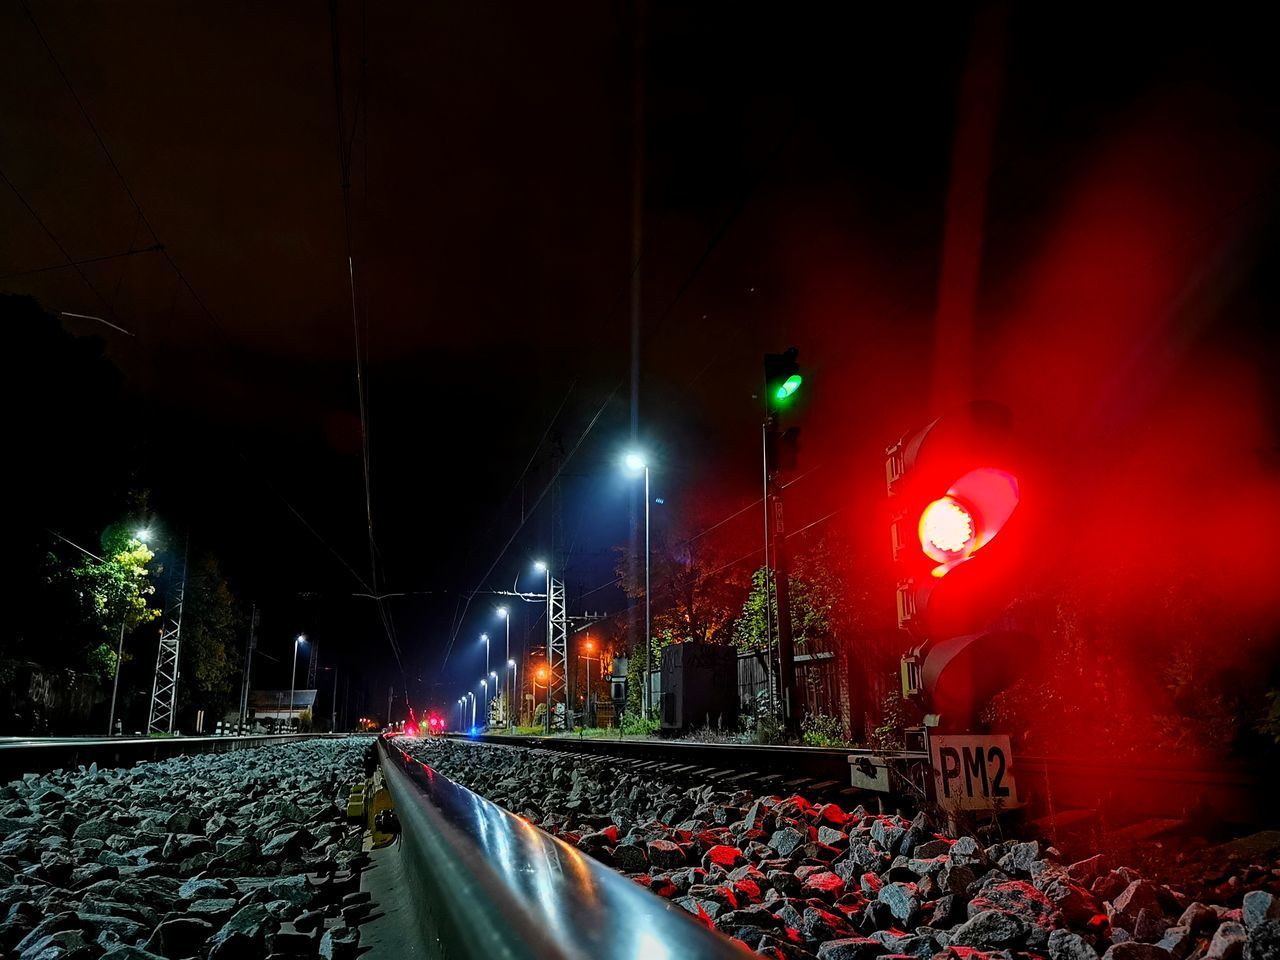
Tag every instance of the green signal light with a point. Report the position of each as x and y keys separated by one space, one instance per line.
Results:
x=789 y=386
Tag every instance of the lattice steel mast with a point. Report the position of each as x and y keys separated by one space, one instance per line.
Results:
x=164 y=688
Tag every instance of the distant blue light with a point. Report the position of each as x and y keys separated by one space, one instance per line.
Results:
x=659 y=500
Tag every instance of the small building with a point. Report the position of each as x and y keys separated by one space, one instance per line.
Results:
x=273 y=707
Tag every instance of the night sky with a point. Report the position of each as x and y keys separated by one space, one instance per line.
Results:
x=817 y=175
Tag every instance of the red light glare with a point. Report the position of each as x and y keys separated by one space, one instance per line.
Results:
x=946 y=528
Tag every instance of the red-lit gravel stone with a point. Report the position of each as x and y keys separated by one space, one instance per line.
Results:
x=792 y=880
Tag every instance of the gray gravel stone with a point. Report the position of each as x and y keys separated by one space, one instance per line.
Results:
x=1133 y=950
x=851 y=948
x=1264 y=941
x=990 y=930
x=1258 y=906
x=1065 y=945
x=1228 y=942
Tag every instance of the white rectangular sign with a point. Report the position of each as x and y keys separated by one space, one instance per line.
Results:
x=973 y=773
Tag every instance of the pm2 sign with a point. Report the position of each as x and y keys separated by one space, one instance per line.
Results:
x=973 y=773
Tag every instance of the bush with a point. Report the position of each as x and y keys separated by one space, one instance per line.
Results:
x=896 y=714
x=819 y=730
x=768 y=729
x=1270 y=724
x=635 y=725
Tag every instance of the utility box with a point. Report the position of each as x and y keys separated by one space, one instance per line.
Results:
x=699 y=687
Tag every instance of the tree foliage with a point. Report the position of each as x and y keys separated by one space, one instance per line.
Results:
x=812 y=601
x=112 y=593
x=118 y=588
x=210 y=629
x=696 y=590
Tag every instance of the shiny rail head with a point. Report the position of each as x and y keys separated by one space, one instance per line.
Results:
x=578 y=906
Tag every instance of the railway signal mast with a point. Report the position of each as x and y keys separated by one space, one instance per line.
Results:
x=782 y=380
x=956 y=531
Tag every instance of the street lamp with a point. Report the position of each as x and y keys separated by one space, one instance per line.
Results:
x=513 y=685
x=293 y=669
x=635 y=462
x=142 y=536
x=472 y=696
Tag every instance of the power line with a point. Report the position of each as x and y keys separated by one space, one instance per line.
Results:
x=83 y=261
x=158 y=246
x=56 y=242
x=520 y=526
x=162 y=249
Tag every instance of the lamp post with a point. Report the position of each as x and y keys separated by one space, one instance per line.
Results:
x=635 y=462
x=293 y=669
x=589 y=645
x=513 y=685
x=484 y=696
x=505 y=614
x=333 y=706
x=541 y=675
x=142 y=536
x=542 y=567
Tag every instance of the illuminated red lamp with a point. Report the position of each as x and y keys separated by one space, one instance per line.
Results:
x=956 y=526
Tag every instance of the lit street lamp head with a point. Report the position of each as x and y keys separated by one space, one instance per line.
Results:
x=540 y=566
x=634 y=462
x=502 y=611
x=484 y=637
x=143 y=535
x=511 y=663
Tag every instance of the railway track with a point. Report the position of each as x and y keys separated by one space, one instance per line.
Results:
x=1058 y=790
x=467 y=878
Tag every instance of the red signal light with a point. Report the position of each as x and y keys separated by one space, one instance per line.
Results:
x=946 y=529
x=954 y=527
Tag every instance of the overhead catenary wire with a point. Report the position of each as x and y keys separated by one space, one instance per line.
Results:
x=71 y=262
x=111 y=160
x=81 y=262
x=345 y=144
x=157 y=246
x=721 y=230
x=515 y=533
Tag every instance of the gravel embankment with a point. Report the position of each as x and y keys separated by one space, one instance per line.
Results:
x=232 y=856
x=793 y=880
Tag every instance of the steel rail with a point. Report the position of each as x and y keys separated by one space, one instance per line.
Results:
x=489 y=884
x=19 y=755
